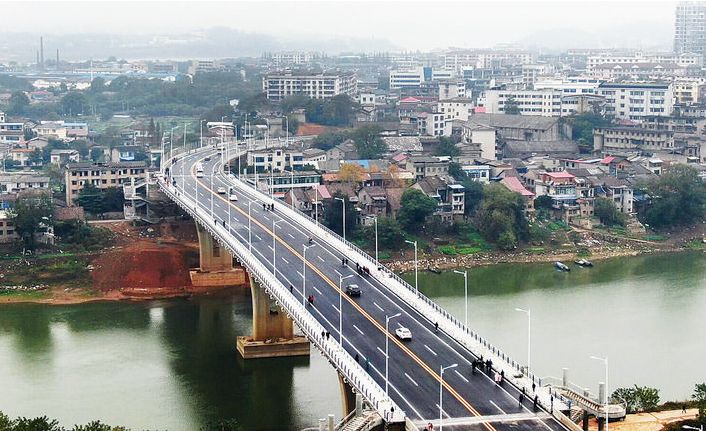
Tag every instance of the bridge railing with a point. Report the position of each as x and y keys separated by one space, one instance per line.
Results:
x=352 y=372
x=465 y=336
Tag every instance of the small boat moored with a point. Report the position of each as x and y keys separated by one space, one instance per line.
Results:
x=561 y=267
x=583 y=262
x=434 y=270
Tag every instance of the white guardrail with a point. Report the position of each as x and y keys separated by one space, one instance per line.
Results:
x=352 y=372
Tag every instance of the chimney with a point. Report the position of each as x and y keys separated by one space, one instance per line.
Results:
x=41 y=52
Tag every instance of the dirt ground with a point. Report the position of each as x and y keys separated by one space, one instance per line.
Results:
x=647 y=421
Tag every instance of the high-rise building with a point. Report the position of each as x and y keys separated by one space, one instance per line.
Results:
x=690 y=28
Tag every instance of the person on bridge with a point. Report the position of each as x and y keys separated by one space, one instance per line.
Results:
x=367 y=364
x=311 y=240
x=534 y=386
x=356 y=358
x=522 y=398
x=534 y=406
x=264 y=206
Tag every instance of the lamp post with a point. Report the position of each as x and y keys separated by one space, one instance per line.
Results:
x=529 y=335
x=171 y=139
x=441 y=395
x=201 y=133
x=416 y=266
x=387 y=342
x=377 y=263
x=291 y=185
x=316 y=204
x=687 y=427
x=306 y=247
x=286 y=139
x=250 y=225
x=340 y=307
x=465 y=295
x=343 y=201
x=605 y=390
x=274 y=245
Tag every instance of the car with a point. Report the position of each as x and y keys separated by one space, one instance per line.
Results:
x=403 y=333
x=221 y=190
x=233 y=197
x=353 y=290
x=207 y=159
x=199 y=174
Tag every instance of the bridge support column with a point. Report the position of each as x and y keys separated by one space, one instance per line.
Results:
x=347 y=396
x=585 y=421
x=272 y=331
x=215 y=265
x=601 y=423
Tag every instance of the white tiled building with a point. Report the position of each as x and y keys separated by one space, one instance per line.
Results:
x=634 y=101
x=278 y=86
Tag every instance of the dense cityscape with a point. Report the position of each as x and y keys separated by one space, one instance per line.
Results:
x=127 y=193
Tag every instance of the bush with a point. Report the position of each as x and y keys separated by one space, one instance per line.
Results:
x=448 y=250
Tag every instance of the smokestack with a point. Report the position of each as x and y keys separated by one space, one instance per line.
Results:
x=57 y=59
x=41 y=52
x=37 y=59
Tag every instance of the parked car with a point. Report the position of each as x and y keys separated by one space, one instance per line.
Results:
x=353 y=290
x=403 y=333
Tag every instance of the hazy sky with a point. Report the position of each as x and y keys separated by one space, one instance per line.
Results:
x=421 y=25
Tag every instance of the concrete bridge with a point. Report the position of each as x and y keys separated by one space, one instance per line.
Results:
x=428 y=379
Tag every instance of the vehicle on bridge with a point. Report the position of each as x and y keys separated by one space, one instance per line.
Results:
x=403 y=333
x=221 y=190
x=232 y=196
x=353 y=290
x=199 y=170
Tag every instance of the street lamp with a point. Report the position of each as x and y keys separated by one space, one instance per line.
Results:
x=529 y=335
x=416 y=266
x=387 y=342
x=201 y=133
x=171 y=139
x=286 y=139
x=306 y=247
x=465 y=295
x=340 y=307
x=274 y=245
x=343 y=201
x=441 y=395
x=605 y=390
x=377 y=263
x=687 y=427
x=250 y=224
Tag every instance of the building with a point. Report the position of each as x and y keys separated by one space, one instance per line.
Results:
x=288 y=58
x=7 y=229
x=281 y=182
x=15 y=182
x=690 y=28
x=513 y=184
x=458 y=108
x=276 y=159
x=10 y=133
x=560 y=186
x=522 y=127
x=451 y=89
x=60 y=157
x=51 y=129
x=25 y=157
x=450 y=197
x=424 y=166
x=684 y=59
x=545 y=102
x=433 y=124
x=481 y=135
x=634 y=101
x=623 y=140
x=204 y=66
x=101 y=175
x=280 y=85
x=414 y=77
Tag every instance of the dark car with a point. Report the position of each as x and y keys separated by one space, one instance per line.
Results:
x=353 y=290
x=207 y=159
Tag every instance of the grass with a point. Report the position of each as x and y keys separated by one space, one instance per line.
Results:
x=655 y=237
x=535 y=250
x=557 y=225
x=24 y=294
x=696 y=244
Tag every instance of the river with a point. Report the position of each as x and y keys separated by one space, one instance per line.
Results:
x=173 y=364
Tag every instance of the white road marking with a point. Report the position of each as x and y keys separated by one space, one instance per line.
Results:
x=290 y=235
x=300 y=274
x=381 y=351
x=317 y=289
x=497 y=407
x=320 y=258
x=411 y=380
x=461 y=376
x=258 y=237
x=335 y=308
x=444 y=411
x=379 y=307
x=285 y=261
x=358 y=329
x=429 y=349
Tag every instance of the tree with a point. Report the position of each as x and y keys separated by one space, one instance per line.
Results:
x=700 y=397
x=447 y=147
x=608 y=213
x=678 y=198
x=543 y=202
x=582 y=126
x=625 y=396
x=328 y=140
x=415 y=207
x=90 y=199
x=368 y=142
x=472 y=195
x=351 y=173
x=390 y=233
x=73 y=103
x=333 y=214
x=500 y=217
x=97 y=85
x=35 y=159
x=647 y=398
x=456 y=171
x=18 y=103
x=511 y=106
x=335 y=111
x=30 y=214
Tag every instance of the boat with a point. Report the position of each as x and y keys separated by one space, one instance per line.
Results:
x=583 y=262
x=434 y=270
x=561 y=267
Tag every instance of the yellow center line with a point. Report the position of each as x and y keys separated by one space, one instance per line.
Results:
x=401 y=345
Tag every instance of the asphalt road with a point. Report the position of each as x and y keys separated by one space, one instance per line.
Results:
x=414 y=365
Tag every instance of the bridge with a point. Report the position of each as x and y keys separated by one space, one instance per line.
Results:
x=428 y=379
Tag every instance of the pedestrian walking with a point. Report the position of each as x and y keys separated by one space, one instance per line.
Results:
x=523 y=390
x=521 y=398
x=535 y=403
x=356 y=358
x=367 y=364
x=551 y=404
x=534 y=386
x=683 y=408
x=328 y=334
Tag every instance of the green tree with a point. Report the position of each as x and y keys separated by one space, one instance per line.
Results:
x=456 y=172
x=333 y=214
x=90 y=199
x=30 y=214
x=447 y=147
x=678 y=198
x=700 y=397
x=390 y=234
x=335 y=111
x=328 y=140
x=472 y=195
x=511 y=106
x=543 y=202
x=368 y=142
x=608 y=213
x=627 y=397
x=500 y=217
x=35 y=159
x=415 y=207
x=97 y=85
x=73 y=103
x=582 y=126
x=18 y=103
x=647 y=398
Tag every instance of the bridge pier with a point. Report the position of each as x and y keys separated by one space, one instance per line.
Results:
x=272 y=331
x=348 y=399
x=215 y=265
x=585 y=421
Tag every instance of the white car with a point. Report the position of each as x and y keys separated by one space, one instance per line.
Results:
x=199 y=174
x=221 y=190
x=403 y=333
x=233 y=197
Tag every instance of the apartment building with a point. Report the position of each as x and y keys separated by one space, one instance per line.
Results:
x=288 y=58
x=10 y=133
x=51 y=129
x=532 y=72
x=433 y=124
x=414 y=77
x=280 y=85
x=276 y=159
x=634 y=101
x=425 y=166
x=451 y=88
x=690 y=28
x=449 y=196
x=101 y=175
x=204 y=66
x=459 y=108
x=15 y=182
x=485 y=59
x=684 y=59
x=546 y=102
x=622 y=140
x=689 y=91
